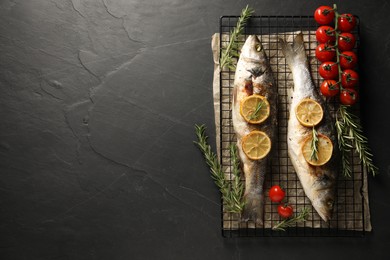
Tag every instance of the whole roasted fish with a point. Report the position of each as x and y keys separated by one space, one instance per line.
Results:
x=253 y=77
x=318 y=182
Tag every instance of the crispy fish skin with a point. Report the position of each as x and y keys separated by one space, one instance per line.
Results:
x=318 y=182
x=254 y=65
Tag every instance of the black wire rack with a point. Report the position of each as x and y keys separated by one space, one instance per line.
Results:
x=349 y=214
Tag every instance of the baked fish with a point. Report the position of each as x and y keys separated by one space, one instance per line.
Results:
x=254 y=117
x=318 y=181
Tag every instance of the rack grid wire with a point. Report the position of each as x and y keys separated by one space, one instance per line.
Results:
x=348 y=216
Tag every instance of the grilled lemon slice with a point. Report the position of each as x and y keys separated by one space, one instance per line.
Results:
x=254 y=109
x=325 y=150
x=309 y=112
x=256 y=145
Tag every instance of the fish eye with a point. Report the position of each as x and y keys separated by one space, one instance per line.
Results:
x=329 y=203
x=258 y=47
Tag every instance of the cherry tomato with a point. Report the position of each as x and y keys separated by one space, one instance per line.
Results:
x=325 y=53
x=346 y=41
x=349 y=78
x=276 y=194
x=324 y=15
x=346 y=22
x=348 y=60
x=328 y=70
x=325 y=34
x=329 y=88
x=285 y=210
x=348 y=96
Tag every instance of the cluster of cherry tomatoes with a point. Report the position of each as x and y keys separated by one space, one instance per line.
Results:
x=277 y=194
x=335 y=52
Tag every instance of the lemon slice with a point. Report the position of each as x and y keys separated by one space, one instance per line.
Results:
x=256 y=145
x=325 y=150
x=309 y=112
x=254 y=109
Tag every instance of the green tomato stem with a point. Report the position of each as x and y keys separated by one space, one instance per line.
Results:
x=338 y=54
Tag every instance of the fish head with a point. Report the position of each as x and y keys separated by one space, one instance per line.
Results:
x=253 y=49
x=324 y=195
x=258 y=70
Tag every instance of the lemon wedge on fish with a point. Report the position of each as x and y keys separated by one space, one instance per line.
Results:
x=325 y=150
x=255 y=109
x=256 y=145
x=309 y=112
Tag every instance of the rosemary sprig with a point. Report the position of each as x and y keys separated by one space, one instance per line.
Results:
x=232 y=192
x=344 y=143
x=237 y=186
x=232 y=49
x=314 y=146
x=350 y=135
x=257 y=110
x=290 y=222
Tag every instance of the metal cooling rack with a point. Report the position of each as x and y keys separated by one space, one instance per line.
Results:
x=348 y=218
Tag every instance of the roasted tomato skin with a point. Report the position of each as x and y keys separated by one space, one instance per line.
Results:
x=346 y=22
x=285 y=210
x=325 y=53
x=325 y=34
x=276 y=193
x=324 y=15
x=328 y=70
x=348 y=96
x=329 y=88
x=346 y=41
x=348 y=60
x=349 y=78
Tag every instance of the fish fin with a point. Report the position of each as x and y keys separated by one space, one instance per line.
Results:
x=235 y=89
x=253 y=209
x=295 y=52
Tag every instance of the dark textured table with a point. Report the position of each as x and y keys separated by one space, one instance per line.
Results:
x=98 y=104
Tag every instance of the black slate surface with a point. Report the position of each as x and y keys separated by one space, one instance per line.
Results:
x=98 y=103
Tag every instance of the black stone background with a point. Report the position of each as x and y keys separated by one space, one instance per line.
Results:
x=98 y=103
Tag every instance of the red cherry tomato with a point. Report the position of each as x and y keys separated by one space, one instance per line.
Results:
x=348 y=96
x=328 y=70
x=349 y=78
x=325 y=53
x=348 y=60
x=329 y=88
x=285 y=210
x=346 y=22
x=346 y=41
x=324 y=15
x=325 y=34
x=276 y=194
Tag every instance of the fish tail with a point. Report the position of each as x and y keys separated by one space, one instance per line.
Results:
x=253 y=209
x=295 y=52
